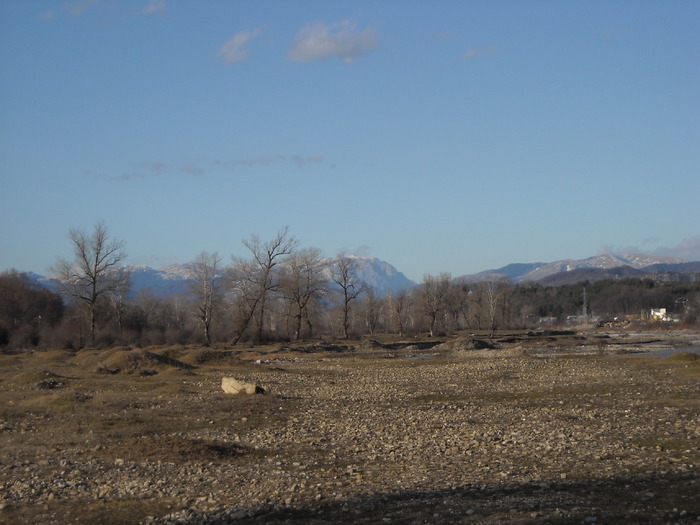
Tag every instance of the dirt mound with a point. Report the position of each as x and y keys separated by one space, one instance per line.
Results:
x=466 y=344
x=201 y=356
x=175 y=448
x=141 y=362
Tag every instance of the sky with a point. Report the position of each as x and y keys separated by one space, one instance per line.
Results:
x=447 y=136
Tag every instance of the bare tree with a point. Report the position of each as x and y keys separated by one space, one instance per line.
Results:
x=244 y=295
x=302 y=284
x=206 y=289
x=119 y=299
x=94 y=272
x=373 y=310
x=350 y=287
x=494 y=293
x=434 y=293
x=461 y=299
x=26 y=308
x=399 y=304
x=474 y=306
x=259 y=276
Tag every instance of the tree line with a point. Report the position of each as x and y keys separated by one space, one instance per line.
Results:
x=284 y=292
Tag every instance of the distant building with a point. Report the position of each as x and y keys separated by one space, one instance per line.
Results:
x=660 y=315
x=677 y=277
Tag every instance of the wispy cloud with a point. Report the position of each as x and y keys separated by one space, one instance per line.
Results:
x=77 y=7
x=234 y=50
x=155 y=6
x=265 y=160
x=443 y=35
x=154 y=167
x=474 y=53
x=341 y=40
x=192 y=169
x=149 y=169
x=128 y=176
x=260 y=160
x=302 y=161
x=688 y=249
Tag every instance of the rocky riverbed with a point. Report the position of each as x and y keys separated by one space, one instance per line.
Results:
x=364 y=433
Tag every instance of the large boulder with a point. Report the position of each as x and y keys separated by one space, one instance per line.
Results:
x=231 y=385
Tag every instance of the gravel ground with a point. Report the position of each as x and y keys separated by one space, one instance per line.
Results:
x=359 y=436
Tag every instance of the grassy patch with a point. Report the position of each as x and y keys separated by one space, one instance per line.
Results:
x=664 y=444
x=684 y=357
x=175 y=448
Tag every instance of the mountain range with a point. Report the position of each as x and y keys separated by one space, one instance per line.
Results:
x=175 y=279
x=599 y=267
x=383 y=278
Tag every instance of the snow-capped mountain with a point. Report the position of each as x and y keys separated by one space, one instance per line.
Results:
x=176 y=279
x=539 y=271
x=162 y=282
x=379 y=275
x=605 y=261
x=384 y=278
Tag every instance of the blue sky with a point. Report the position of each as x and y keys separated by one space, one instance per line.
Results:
x=449 y=136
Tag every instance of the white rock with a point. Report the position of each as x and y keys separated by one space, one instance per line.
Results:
x=231 y=385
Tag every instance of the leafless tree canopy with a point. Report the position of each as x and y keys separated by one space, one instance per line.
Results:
x=93 y=274
x=258 y=277
x=350 y=287
x=281 y=292
x=206 y=290
x=303 y=284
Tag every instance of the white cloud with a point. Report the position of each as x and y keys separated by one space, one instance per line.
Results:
x=234 y=49
x=155 y=6
x=320 y=41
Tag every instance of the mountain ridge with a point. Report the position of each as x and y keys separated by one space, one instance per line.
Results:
x=176 y=279
x=540 y=272
x=384 y=278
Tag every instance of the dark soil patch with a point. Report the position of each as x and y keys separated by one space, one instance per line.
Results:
x=316 y=348
x=174 y=448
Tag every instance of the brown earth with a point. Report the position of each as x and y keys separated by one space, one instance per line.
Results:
x=547 y=427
